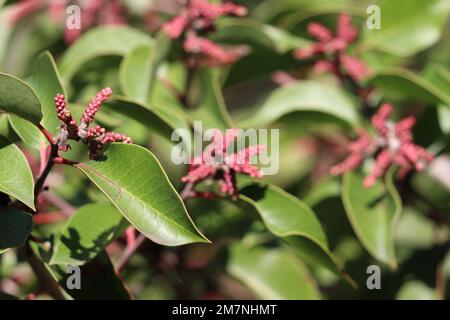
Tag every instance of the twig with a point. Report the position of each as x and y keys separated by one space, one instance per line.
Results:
x=128 y=253
x=47 y=283
x=65 y=208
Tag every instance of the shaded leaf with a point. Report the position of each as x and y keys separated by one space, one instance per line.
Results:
x=16 y=178
x=272 y=274
x=15 y=227
x=99 y=280
x=87 y=233
x=132 y=178
x=373 y=213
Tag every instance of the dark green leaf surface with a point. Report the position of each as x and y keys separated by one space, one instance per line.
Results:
x=99 y=280
x=17 y=97
x=273 y=274
x=373 y=214
x=16 y=178
x=15 y=227
x=87 y=233
x=132 y=178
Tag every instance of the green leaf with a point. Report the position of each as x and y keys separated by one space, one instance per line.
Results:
x=87 y=233
x=27 y=132
x=416 y=290
x=132 y=178
x=250 y=31
x=292 y=220
x=101 y=41
x=153 y=119
x=415 y=27
x=46 y=83
x=99 y=280
x=373 y=213
x=17 y=97
x=305 y=96
x=16 y=178
x=399 y=83
x=15 y=227
x=272 y=274
x=136 y=72
x=210 y=107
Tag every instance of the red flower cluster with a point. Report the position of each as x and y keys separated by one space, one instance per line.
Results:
x=332 y=49
x=393 y=144
x=218 y=164
x=95 y=137
x=198 y=17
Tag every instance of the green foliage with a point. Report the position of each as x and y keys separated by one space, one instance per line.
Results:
x=138 y=230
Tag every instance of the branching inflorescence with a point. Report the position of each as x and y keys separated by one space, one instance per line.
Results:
x=195 y=21
x=392 y=144
x=217 y=163
x=331 y=50
x=95 y=137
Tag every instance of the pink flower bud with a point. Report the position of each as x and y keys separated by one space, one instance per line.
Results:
x=95 y=105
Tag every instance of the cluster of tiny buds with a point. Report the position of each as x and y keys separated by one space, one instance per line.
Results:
x=393 y=144
x=331 y=49
x=216 y=163
x=198 y=17
x=95 y=137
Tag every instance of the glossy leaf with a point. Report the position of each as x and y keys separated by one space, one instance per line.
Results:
x=305 y=96
x=416 y=26
x=292 y=220
x=87 y=233
x=373 y=213
x=101 y=41
x=272 y=274
x=132 y=178
x=16 y=178
x=17 y=97
x=15 y=227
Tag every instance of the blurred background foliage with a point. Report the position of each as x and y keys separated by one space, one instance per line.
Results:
x=410 y=56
